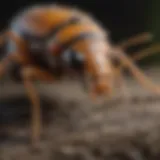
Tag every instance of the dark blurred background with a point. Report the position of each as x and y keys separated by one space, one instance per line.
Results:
x=123 y=18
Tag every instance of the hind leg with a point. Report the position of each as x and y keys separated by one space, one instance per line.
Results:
x=29 y=75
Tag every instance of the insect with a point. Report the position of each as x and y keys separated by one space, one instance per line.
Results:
x=46 y=40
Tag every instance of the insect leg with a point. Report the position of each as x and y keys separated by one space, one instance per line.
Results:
x=146 y=52
x=29 y=74
x=138 y=74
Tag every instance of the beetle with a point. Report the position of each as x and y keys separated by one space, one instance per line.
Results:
x=44 y=39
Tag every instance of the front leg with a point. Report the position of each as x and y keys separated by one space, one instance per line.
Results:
x=29 y=74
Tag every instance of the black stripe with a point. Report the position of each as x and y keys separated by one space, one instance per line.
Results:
x=55 y=30
x=78 y=38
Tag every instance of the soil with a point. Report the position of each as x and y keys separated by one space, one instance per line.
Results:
x=75 y=128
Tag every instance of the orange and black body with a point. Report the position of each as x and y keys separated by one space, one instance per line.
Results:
x=48 y=31
x=42 y=39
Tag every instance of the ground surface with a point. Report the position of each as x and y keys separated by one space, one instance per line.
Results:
x=76 y=129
